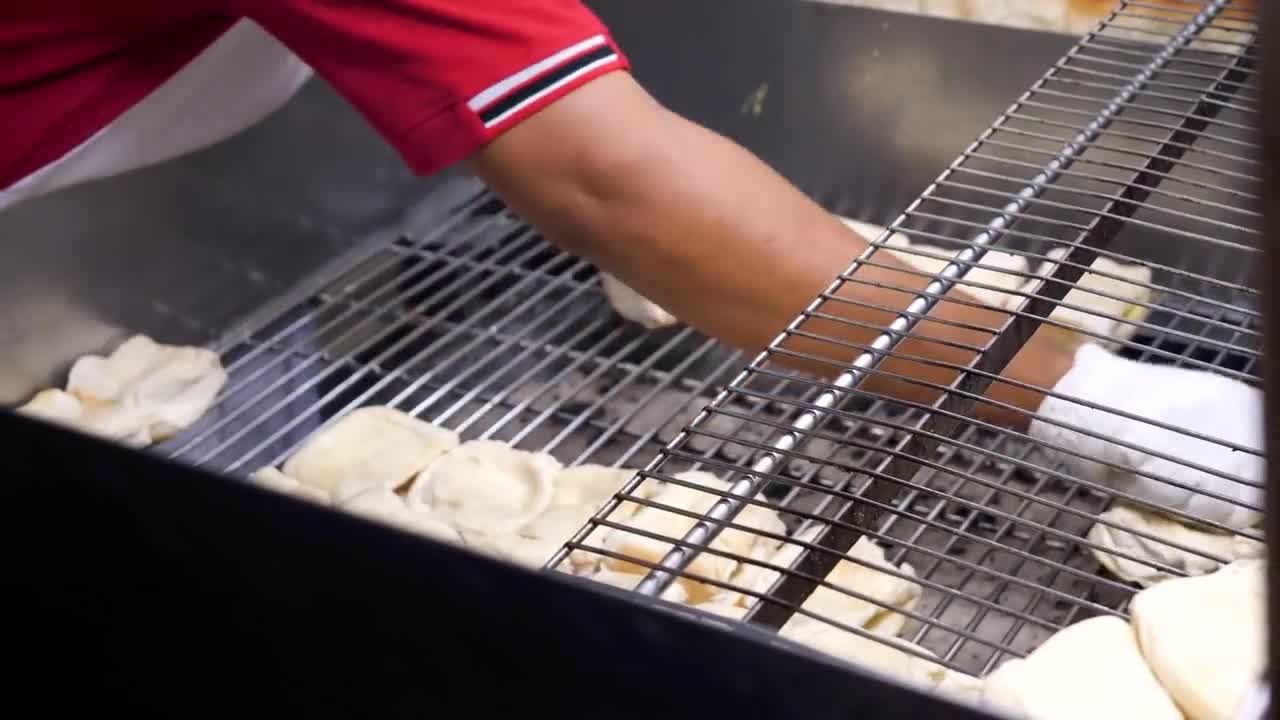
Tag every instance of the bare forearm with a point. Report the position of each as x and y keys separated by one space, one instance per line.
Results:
x=711 y=233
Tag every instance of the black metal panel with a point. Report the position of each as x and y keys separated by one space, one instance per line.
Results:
x=141 y=586
x=861 y=108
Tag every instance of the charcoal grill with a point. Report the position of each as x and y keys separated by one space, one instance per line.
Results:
x=1137 y=145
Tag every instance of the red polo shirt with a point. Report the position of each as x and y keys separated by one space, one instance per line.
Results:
x=436 y=78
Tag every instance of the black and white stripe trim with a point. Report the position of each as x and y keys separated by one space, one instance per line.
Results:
x=519 y=90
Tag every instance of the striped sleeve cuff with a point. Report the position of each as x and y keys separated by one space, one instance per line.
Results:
x=522 y=93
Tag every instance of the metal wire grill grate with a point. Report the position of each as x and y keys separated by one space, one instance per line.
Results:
x=478 y=325
x=481 y=326
x=1137 y=147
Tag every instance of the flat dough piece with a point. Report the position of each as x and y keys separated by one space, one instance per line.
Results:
x=759 y=579
x=1092 y=669
x=890 y=593
x=961 y=686
x=1228 y=546
x=580 y=492
x=668 y=524
x=996 y=268
x=627 y=581
x=369 y=446
x=170 y=387
x=1205 y=637
x=126 y=425
x=384 y=505
x=1132 y=290
x=728 y=610
x=532 y=553
x=272 y=478
x=488 y=487
x=883 y=654
x=633 y=306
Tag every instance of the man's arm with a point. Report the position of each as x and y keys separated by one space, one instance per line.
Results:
x=711 y=233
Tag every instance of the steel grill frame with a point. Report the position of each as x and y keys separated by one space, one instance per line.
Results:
x=951 y=414
x=481 y=326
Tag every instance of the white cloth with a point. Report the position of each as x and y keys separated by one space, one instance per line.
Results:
x=1200 y=401
x=238 y=80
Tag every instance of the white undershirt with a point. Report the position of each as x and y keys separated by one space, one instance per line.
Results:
x=245 y=75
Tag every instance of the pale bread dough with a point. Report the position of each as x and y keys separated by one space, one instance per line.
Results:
x=377 y=502
x=529 y=552
x=125 y=425
x=369 y=446
x=1092 y=669
x=996 y=268
x=1133 y=289
x=1204 y=637
x=272 y=478
x=760 y=579
x=890 y=593
x=961 y=686
x=882 y=654
x=168 y=387
x=723 y=609
x=633 y=306
x=675 y=592
x=487 y=486
x=140 y=394
x=1228 y=546
x=668 y=524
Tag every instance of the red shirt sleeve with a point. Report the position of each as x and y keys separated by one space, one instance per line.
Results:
x=440 y=78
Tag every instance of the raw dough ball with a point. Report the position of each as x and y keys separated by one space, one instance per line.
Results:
x=1224 y=545
x=1205 y=637
x=278 y=481
x=486 y=486
x=169 y=387
x=1092 y=669
x=1133 y=289
x=633 y=306
x=881 y=654
x=370 y=446
x=380 y=503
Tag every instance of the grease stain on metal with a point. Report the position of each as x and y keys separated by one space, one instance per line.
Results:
x=754 y=104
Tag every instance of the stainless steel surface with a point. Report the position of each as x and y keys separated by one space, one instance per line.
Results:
x=1155 y=166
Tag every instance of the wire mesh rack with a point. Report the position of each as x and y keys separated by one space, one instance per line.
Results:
x=1137 y=148
x=479 y=325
